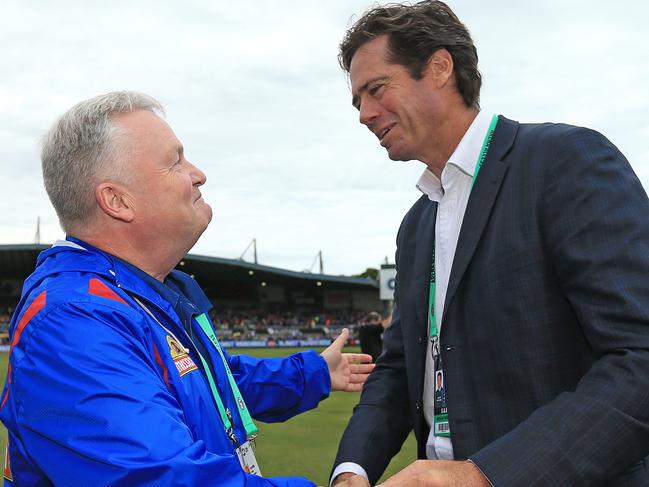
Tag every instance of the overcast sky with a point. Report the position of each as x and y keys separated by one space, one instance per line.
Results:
x=254 y=92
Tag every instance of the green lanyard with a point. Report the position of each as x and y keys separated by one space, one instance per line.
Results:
x=251 y=429
x=248 y=424
x=224 y=413
x=431 y=294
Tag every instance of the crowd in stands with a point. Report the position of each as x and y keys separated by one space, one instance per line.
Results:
x=5 y=318
x=261 y=325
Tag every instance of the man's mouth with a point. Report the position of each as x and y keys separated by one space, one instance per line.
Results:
x=384 y=132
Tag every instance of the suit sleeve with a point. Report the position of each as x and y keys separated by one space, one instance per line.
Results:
x=276 y=389
x=595 y=221
x=381 y=420
x=92 y=404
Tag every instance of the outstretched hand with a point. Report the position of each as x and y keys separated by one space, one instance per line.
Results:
x=438 y=473
x=348 y=371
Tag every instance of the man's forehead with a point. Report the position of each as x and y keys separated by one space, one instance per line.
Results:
x=145 y=125
x=143 y=133
x=369 y=64
x=138 y=119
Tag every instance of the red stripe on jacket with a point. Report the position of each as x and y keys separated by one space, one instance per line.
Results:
x=7 y=470
x=33 y=309
x=98 y=288
x=165 y=371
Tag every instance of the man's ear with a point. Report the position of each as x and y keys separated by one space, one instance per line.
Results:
x=115 y=201
x=440 y=67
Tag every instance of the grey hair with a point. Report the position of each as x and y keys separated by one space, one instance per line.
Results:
x=79 y=150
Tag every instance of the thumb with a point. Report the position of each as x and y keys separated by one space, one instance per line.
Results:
x=340 y=341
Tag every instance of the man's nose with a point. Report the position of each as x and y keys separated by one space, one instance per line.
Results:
x=198 y=177
x=368 y=112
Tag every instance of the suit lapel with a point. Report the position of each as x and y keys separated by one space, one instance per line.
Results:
x=425 y=238
x=480 y=203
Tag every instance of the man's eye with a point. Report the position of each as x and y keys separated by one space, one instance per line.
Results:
x=374 y=90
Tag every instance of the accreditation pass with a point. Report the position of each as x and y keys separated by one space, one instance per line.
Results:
x=247 y=459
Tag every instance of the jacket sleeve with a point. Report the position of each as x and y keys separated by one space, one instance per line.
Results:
x=595 y=221
x=276 y=389
x=92 y=404
x=381 y=420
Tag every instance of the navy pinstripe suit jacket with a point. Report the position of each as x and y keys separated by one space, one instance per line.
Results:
x=545 y=333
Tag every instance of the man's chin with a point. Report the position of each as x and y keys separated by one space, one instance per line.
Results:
x=395 y=152
x=196 y=236
x=206 y=211
x=205 y=219
x=398 y=156
x=209 y=214
x=206 y=223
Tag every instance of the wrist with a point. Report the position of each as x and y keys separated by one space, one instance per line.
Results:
x=341 y=478
x=478 y=478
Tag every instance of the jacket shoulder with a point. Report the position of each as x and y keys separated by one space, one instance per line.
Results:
x=544 y=136
x=75 y=304
x=79 y=287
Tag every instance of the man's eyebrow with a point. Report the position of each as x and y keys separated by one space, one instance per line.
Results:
x=363 y=88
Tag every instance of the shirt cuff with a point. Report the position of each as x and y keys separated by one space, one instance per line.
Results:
x=348 y=467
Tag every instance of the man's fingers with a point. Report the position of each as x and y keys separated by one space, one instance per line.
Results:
x=340 y=340
x=357 y=378
x=391 y=482
x=361 y=368
x=358 y=358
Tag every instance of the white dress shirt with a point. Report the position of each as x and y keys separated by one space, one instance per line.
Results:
x=452 y=195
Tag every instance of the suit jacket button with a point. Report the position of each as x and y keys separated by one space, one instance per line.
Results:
x=417 y=406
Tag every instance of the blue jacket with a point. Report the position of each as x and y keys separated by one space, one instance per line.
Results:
x=98 y=392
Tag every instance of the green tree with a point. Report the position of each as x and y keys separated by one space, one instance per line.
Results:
x=370 y=272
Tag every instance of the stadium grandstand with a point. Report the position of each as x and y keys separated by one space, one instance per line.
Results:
x=254 y=305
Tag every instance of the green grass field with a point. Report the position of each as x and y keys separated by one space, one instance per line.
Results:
x=303 y=446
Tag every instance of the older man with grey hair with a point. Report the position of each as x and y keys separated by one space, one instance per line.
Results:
x=116 y=375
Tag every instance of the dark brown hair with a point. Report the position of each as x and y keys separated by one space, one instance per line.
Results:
x=414 y=33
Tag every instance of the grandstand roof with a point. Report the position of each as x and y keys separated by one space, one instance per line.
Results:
x=18 y=261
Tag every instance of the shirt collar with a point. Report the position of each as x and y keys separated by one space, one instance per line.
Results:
x=176 y=285
x=464 y=156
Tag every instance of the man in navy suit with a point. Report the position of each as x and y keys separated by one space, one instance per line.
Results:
x=522 y=276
